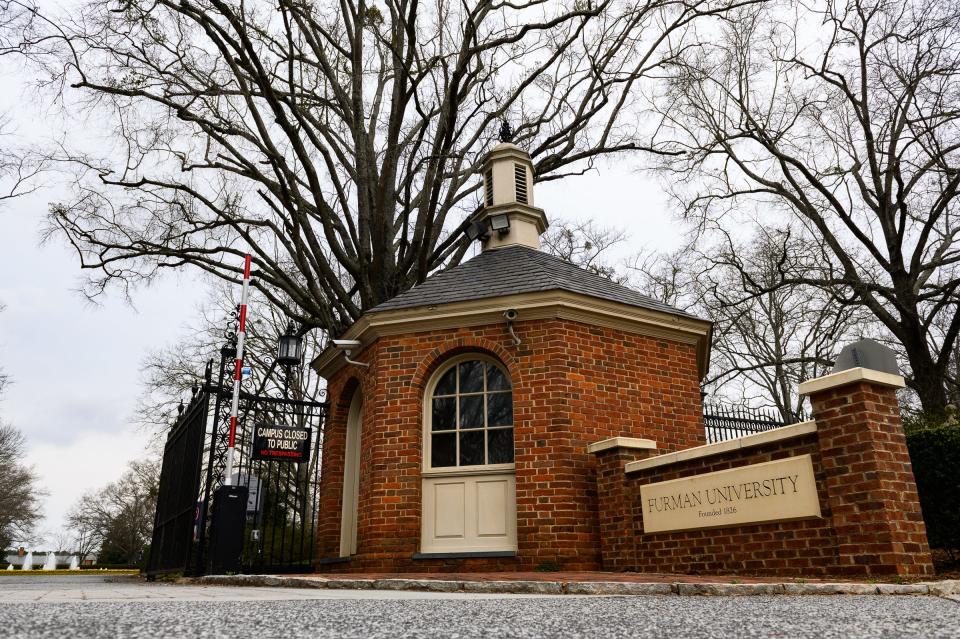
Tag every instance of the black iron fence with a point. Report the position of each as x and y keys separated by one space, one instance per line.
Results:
x=281 y=513
x=176 y=514
x=279 y=534
x=730 y=422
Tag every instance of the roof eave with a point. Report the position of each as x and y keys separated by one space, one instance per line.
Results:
x=533 y=305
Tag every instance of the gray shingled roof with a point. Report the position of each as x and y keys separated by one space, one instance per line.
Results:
x=516 y=269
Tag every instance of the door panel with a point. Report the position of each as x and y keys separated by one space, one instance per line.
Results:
x=448 y=516
x=472 y=513
x=492 y=507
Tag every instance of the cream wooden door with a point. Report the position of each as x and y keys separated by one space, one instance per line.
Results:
x=351 y=478
x=469 y=513
x=469 y=486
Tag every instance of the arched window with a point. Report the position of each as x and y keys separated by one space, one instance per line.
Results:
x=470 y=415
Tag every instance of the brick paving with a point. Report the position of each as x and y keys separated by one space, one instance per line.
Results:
x=564 y=577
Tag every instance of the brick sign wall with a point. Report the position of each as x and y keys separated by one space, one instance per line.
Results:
x=870 y=521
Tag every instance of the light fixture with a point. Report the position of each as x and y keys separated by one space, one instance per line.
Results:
x=229 y=348
x=477 y=231
x=290 y=346
x=500 y=223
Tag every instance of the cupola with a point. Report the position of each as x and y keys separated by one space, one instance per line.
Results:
x=508 y=216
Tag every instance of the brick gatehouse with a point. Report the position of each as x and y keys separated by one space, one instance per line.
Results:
x=466 y=446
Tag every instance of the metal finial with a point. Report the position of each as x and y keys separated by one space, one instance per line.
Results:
x=506 y=133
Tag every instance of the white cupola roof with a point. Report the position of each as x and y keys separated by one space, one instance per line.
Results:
x=508 y=216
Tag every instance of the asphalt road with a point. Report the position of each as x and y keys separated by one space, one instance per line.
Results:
x=30 y=607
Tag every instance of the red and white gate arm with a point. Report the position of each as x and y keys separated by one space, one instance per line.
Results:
x=237 y=373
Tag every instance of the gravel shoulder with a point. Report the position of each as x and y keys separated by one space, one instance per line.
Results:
x=129 y=607
x=816 y=617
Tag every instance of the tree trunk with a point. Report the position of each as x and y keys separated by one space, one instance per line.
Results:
x=928 y=383
x=928 y=377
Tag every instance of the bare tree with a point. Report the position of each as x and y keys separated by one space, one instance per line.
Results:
x=772 y=335
x=855 y=133
x=671 y=278
x=339 y=142
x=61 y=541
x=83 y=525
x=117 y=520
x=769 y=334
x=587 y=245
x=19 y=167
x=20 y=492
x=4 y=378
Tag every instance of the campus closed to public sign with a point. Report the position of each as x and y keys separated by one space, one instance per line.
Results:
x=281 y=443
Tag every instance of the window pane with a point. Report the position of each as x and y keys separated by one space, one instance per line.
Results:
x=471 y=411
x=500 y=409
x=443 y=450
x=500 y=442
x=496 y=380
x=444 y=413
x=471 y=448
x=471 y=377
x=448 y=383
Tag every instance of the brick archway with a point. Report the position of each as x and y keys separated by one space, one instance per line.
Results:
x=451 y=348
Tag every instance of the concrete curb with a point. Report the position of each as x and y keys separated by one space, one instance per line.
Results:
x=730 y=590
x=619 y=588
x=936 y=588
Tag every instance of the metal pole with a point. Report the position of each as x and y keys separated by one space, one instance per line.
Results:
x=237 y=373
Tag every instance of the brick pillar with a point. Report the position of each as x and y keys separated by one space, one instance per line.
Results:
x=872 y=494
x=618 y=534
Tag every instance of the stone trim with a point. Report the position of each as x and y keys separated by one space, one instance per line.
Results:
x=850 y=376
x=945 y=588
x=528 y=213
x=506 y=150
x=468 y=471
x=532 y=306
x=759 y=439
x=621 y=442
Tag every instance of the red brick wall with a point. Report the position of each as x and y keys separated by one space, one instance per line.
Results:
x=873 y=495
x=870 y=523
x=573 y=385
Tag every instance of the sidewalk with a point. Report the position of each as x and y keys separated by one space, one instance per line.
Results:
x=584 y=583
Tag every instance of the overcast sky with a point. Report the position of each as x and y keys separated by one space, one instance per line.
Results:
x=75 y=366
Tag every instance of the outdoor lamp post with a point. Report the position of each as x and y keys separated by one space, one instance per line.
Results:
x=289 y=351
x=229 y=349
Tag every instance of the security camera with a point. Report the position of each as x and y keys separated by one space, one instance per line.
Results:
x=511 y=314
x=347 y=346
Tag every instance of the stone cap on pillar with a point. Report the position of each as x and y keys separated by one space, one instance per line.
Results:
x=621 y=442
x=851 y=376
x=867 y=353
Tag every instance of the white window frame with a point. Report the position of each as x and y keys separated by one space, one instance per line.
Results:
x=479 y=469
